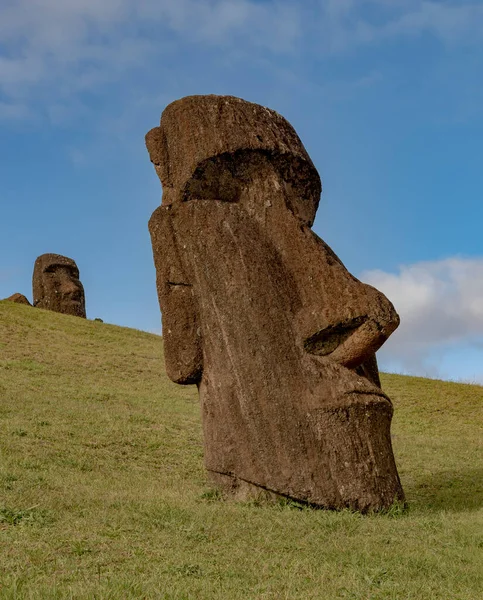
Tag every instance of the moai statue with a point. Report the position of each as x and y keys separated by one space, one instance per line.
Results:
x=261 y=314
x=18 y=299
x=56 y=285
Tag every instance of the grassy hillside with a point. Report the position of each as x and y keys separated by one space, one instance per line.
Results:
x=103 y=492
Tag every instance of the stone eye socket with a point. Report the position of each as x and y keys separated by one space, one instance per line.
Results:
x=214 y=179
x=54 y=268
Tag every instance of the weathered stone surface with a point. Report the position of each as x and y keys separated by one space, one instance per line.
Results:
x=19 y=299
x=56 y=285
x=262 y=315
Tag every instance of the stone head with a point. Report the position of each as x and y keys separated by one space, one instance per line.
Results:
x=226 y=149
x=257 y=310
x=233 y=152
x=56 y=285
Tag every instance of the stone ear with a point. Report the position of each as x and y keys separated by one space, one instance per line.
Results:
x=181 y=327
x=156 y=145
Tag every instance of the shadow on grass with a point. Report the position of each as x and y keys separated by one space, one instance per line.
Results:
x=454 y=491
x=451 y=491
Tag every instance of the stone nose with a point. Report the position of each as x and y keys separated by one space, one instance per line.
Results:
x=68 y=286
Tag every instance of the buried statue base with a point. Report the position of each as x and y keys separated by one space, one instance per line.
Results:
x=261 y=314
x=18 y=299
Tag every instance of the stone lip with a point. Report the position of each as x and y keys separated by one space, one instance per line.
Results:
x=263 y=316
x=56 y=285
x=19 y=299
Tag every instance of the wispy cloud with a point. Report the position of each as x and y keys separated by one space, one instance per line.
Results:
x=441 y=307
x=12 y=112
x=36 y=33
x=451 y=22
x=54 y=51
x=348 y=24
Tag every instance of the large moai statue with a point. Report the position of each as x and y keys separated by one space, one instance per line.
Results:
x=261 y=314
x=56 y=285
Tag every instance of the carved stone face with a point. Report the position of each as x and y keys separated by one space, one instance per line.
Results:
x=56 y=285
x=262 y=315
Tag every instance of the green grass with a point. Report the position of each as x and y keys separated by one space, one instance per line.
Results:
x=103 y=492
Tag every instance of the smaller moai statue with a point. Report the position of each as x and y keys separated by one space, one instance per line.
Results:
x=56 y=285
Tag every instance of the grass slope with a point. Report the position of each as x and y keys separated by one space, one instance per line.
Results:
x=103 y=492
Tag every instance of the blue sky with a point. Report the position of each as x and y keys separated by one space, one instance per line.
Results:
x=387 y=96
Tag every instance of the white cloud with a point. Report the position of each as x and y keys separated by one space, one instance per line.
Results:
x=441 y=308
x=57 y=49
x=350 y=26
x=53 y=52
x=451 y=22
